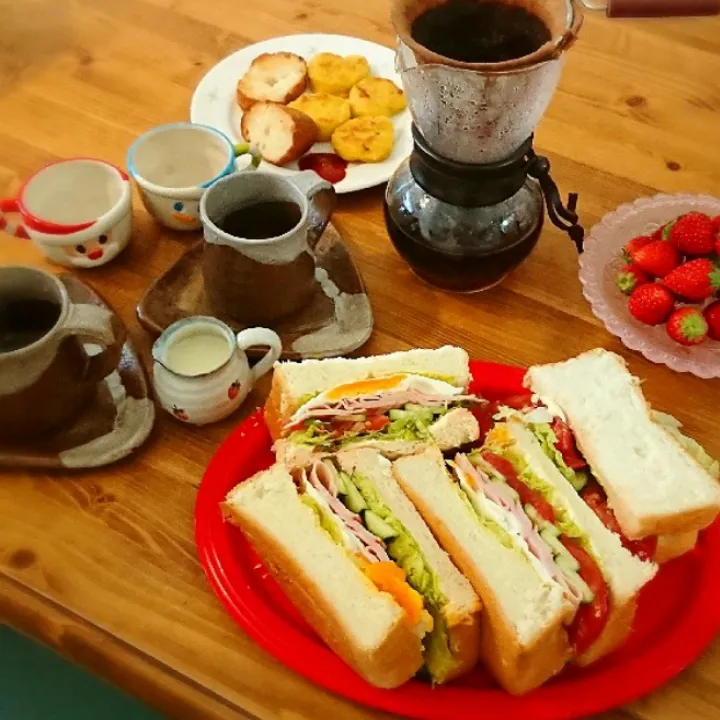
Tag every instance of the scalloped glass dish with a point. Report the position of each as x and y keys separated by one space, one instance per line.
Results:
x=602 y=260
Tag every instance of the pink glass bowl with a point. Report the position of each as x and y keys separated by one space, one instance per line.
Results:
x=599 y=266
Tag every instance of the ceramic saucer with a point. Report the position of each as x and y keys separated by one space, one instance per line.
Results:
x=337 y=320
x=116 y=420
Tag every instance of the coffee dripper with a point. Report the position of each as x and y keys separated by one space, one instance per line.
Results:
x=467 y=206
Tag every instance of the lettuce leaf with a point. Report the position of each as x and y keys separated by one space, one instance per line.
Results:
x=405 y=551
x=697 y=451
x=547 y=439
x=326 y=522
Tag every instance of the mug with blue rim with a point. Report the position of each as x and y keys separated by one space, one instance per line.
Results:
x=174 y=164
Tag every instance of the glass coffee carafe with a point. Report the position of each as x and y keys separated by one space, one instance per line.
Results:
x=467 y=206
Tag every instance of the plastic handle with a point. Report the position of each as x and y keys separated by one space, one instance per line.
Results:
x=260 y=336
x=11 y=205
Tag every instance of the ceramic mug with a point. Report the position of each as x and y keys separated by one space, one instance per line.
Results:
x=259 y=281
x=46 y=375
x=77 y=211
x=174 y=164
x=201 y=372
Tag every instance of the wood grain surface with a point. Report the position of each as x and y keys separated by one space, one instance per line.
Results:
x=102 y=564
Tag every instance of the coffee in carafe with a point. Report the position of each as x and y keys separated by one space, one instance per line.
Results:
x=467 y=206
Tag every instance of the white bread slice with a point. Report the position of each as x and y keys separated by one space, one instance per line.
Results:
x=280 y=134
x=523 y=641
x=670 y=547
x=293 y=381
x=455 y=428
x=653 y=485
x=625 y=574
x=364 y=626
x=462 y=609
x=272 y=77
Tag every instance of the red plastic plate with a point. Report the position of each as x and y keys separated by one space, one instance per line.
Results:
x=678 y=615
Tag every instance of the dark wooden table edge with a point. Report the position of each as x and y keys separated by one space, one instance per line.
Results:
x=105 y=655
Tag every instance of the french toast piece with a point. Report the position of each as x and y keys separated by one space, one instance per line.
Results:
x=365 y=139
x=327 y=111
x=376 y=96
x=335 y=75
x=272 y=77
x=280 y=134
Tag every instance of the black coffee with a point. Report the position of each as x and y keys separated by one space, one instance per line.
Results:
x=262 y=220
x=23 y=321
x=482 y=32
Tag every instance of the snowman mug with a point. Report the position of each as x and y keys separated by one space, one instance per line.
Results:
x=77 y=211
x=174 y=164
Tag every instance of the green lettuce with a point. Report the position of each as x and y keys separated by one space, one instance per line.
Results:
x=323 y=516
x=547 y=439
x=411 y=423
x=405 y=551
x=697 y=451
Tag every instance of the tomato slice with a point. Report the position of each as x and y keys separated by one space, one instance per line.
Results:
x=595 y=497
x=484 y=415
x=591 y=618
x=377 y=422
x=566 y=445
x=521 y=401
x=528 y=496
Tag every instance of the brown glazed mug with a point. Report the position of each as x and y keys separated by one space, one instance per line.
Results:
x=46 y=374
x=258 y=280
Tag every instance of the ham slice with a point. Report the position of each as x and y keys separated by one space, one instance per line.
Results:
x=379 y=402
x=372 y=548
x=500 y=494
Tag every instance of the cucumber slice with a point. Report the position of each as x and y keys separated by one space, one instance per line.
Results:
x=577 y=582
x=353 y=499
x=377 y=526
x=567 y=563
x=533 y=515
x=342 y=481
x=551 y=538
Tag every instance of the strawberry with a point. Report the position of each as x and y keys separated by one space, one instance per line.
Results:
x=687 y=326
x=693 y=234
x=635 y=244
x=657 y=258
x=631 y=277
x=651 y=304
x=695 y=280
x=712 y=318
x=716 y=225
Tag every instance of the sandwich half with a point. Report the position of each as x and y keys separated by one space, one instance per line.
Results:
x=394 y=404
x=556 y=585
x=453 y=645
x=384 y=597
x=645 y=479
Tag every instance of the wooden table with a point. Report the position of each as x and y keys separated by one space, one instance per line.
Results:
x=101 y=565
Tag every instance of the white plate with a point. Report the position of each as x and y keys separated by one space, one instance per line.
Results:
x=213 y=102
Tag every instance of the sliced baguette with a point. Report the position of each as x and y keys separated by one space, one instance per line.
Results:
x=272 y=77
x=458 y=427
x=524 y=642
x=364 y=626
x=462 y=608
x=293 y=381
x=280 y=134
x=653 y=485
x=624 y=573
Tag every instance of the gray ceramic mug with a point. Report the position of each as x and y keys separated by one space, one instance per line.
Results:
x=46 y=376
x=260 y=280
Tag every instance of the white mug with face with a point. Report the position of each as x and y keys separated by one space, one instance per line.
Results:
x=174 y=164
x=77 y=211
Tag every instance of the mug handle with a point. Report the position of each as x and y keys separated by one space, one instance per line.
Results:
x=92 y=323
x=12 y=205
x=321 y=199
x=260 y=336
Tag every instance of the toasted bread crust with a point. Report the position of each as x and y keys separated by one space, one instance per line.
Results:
x=300 y=132
x=388 y=666
x=517 y=669
x=251 y=88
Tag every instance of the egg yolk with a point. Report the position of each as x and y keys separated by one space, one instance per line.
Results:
x=365 y=387
x=389 y=578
